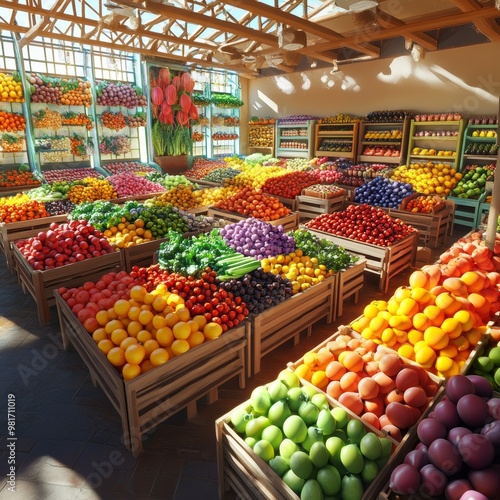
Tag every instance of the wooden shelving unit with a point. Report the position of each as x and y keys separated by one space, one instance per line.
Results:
x=435 y=142
x=477 y=145
x=295 y=140
x=261 y=138
x=384 y=137
x=337 y=140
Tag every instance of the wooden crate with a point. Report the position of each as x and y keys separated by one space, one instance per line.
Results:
x=140 y=197
x=350 y=282
x=290 y=203
x=482 y=216
x=287 y=320
x=289 y=222
x=242 y=473
x=198 y=210
x=432 y=228
x=139 y=255
x=466 y=212
x=155 y=396
x=384 y=261
x=42 y=284
x=310 y=207
x=13 y=231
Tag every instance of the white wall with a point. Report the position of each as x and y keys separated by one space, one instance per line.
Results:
x=466 y=80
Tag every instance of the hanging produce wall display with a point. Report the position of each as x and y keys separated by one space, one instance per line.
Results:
x=118 y=128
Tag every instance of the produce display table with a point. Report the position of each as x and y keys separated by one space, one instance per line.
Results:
x=156 y=395
x=350 y=282
x=287 y=320
x=384 y=261
x=433 y=228
x=289 y=222
x=41 y=285
x=243 y=472
x=13 y=231
x=310 y=207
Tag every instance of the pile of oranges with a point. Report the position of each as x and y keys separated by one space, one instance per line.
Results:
x=92 y=189
x=147 y=330
x=127 y=234
x=11 y=122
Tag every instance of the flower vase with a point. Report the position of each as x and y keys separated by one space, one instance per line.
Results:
x=173 y=165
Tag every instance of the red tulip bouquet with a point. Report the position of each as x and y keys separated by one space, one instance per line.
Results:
x=172 y=110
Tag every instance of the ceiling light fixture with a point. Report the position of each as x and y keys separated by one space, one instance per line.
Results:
x=335 y=68
x=356 y=5
x=291 y=38
x=417 y=52
x=313 y=64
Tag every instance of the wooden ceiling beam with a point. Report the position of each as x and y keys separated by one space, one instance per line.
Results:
x=316 y=29
x=444 y=20
x=488 y=27
x=385 y=21
x=242 y=70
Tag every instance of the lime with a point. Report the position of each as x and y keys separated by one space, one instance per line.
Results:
x=311 y=490
x=264 y=449
x=494 y=355
x=274 y=435
x=329 y=479
x=301 y=464
x=279 y=465
x=293 y=481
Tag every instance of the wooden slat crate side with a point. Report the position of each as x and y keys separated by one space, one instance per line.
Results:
x=351 y=281
x=170 y=372
x=290 y=203
x=198 y=210
x=41 y=284
x=140 y=197
x=139 y=255
x=287 y=320
x=101 y=370
x=261 y=481
x=147 y=409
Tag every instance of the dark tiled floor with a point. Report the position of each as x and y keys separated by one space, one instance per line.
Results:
x=69 y=435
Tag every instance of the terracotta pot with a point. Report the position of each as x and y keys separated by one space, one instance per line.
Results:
x=173 y=164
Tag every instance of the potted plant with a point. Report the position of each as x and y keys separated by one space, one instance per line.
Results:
x=172 y=112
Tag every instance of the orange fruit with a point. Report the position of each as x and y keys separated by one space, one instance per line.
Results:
x=173 y=300
x=145 y=317
x=128 y=342
x=133 y=312
x=183 y=313
x=135 y=354
x=181 y=330
x=130 y=371
x=133 y=328
x=137 y=293
x=144 y=335
x=172 y=319
x=159 y=303
x=146 y=366
x=164 y=336
x=99 y=334
x=158 y=357
x=149 y=346
x=180 y=346
x=193 y=325
x=159 y=321
x=149 y=298
x=105 y=345
x=116 y=356
x=212 y=330
x=196 y=338
x=201 y=320
x=114 y=324
x=118 y=335
x=121 y=307
x=102 y=317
